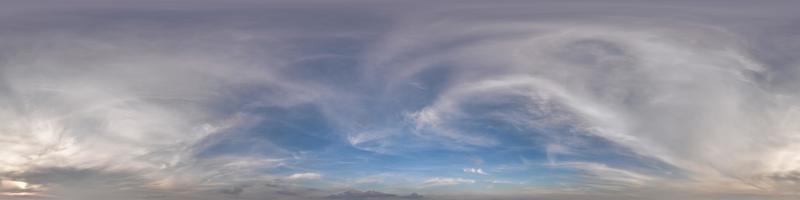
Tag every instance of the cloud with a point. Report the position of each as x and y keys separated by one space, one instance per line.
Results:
x=304 y=176
x=236 y=190
x=142 y=100
x=475 y=171
x=121 y=103
x=502 y=182
x=439 y=181
x=603 y=177
x=11 y=188
x=8 y=184
x=73 y=183
x=652 y=90
x=357 y=194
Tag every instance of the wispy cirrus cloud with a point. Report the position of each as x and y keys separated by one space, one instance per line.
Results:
x=261 y=99
x=440 y=181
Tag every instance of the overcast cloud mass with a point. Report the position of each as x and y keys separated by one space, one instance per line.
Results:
x=392 y=100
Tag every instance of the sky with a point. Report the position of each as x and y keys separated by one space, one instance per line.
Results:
x=391 y=100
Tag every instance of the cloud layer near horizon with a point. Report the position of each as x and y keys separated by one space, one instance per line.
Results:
x=452 y=100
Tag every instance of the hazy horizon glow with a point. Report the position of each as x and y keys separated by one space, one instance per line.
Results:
x=440 y=100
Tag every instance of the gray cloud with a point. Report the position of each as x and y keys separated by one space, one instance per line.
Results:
x=107 y=101
x=684 y=93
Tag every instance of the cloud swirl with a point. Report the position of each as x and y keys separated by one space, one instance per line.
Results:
x=603 y=99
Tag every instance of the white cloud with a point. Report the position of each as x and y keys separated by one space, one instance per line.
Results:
x=475 y=171
x=438 y=181
x=607 y=176
x=14 y=185
x=503 y=182
x=121 y=102
x=653 y=90
x=304 y=176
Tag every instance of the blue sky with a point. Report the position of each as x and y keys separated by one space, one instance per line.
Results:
x=437 y=100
